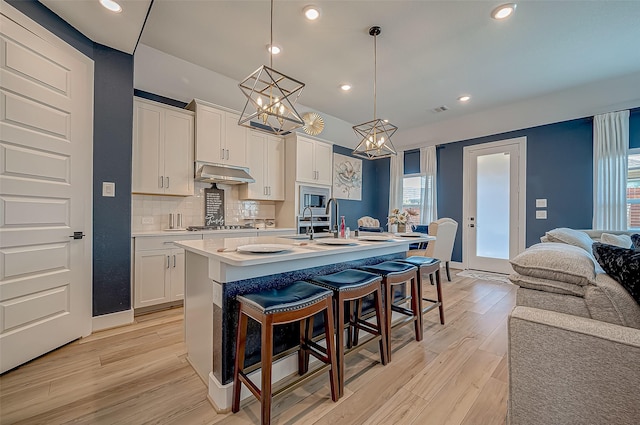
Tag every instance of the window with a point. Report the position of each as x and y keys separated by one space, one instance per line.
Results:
x=412 y=190
x=633 y=190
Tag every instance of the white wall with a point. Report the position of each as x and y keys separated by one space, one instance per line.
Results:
x=162 y=74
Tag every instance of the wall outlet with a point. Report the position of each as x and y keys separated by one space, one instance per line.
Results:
x=109 y=189
x=541 y=203
x=541 y=214
x=147 y=220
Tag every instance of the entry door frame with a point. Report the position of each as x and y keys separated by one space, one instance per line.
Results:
x=521 y=233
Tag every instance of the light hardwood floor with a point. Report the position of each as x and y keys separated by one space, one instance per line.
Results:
x=139 y=374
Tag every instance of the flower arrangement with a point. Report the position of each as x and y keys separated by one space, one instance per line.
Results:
x=397 y=217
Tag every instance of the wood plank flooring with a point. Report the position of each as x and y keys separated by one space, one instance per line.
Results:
x=139 y=374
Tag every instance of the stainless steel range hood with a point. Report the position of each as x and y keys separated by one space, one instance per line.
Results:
x=215 y=173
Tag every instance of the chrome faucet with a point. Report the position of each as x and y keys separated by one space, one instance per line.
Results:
x=310 y=227
x=328 y=211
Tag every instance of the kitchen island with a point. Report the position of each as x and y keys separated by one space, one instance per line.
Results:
x=216 y=271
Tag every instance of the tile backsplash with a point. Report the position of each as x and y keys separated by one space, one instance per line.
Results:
x=157 y=209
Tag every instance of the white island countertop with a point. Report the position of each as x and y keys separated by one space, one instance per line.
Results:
x=296 y=254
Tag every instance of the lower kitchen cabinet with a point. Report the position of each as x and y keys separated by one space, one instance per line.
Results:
x=158 y=271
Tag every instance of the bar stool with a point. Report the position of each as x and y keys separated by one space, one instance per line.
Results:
x=296 y=302
x=431 y=267
x=349 y=285
x=395 y=273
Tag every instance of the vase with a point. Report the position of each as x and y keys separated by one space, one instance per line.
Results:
x=402 y=228
x=393 y=228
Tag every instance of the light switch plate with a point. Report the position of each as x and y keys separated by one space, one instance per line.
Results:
x=541 y=203
x=108 y=189
x=541 y=214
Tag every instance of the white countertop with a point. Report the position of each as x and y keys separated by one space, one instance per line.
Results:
x=295 y=249
x=207 y=232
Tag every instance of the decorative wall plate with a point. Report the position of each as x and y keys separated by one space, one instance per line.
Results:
x=313 y=123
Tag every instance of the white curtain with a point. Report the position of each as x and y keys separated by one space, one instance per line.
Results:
x=396 y=170
x=610 y=152
x=429 y=167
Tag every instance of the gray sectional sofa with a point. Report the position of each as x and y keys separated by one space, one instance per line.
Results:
x=574 y=338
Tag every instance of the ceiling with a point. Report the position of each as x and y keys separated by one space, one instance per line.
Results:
x=429 y=52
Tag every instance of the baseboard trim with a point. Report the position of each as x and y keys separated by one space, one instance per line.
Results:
x=456 y=265
x=112 y=320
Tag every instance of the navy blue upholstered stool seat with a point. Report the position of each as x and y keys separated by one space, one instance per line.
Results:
x=349 y=285
x=299 y=301
x=429 y=266
x=395 y=273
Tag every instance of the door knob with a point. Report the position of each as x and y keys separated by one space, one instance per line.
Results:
x=77 y=235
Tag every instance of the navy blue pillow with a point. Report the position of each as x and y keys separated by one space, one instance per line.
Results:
x=621 y=264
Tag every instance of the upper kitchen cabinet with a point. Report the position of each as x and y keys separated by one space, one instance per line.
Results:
x=219 y=139
x=162 y=149
x=314 y=159
x=266 y=166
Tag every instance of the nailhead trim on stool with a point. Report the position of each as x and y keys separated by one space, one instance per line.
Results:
x=299 y=301
x=430 y=266
x=350 y=285
x=395 y=273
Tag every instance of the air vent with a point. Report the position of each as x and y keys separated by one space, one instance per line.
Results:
x=440 y=109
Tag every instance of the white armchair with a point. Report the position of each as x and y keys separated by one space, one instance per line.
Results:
x=444 y=230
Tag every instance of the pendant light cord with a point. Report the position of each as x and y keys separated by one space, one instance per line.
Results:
x=375 y=75
x=271 y=42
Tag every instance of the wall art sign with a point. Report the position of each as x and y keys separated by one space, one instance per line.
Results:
x=347 y=177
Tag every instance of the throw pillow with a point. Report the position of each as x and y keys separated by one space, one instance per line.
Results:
x=636 y=241
x=621 y=264
x=556 y=261
x=622 y=241
x=571 y=237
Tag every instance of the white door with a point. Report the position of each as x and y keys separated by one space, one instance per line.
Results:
x=494 y=192
x=46 y=143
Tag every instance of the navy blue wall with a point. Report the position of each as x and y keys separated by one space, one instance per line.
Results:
x=412 y=161
x=375 y=192
x=112 y=128
x=559 y=168
x=634 y=128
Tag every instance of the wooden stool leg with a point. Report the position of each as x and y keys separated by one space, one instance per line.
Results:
x=303 y=352
x=439 y=289
x=241 y=340
x=377 y=295
x=448 y=272
x=339 y=303
x=358 y=316
x=352 y=321
x=331 y=349
x=265 y=367
x=415 y=307
x=420 y=290
x=431 y=278
x=388 y=292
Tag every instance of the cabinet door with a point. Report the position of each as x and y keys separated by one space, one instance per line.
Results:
x=275 y=168
x=324 y=163
x=177 y=274
x=209 y=126
x=152 y=277
x=305 y=170
x=235 y=142
x=178 y=153
x=148 y=155
x=257 y=166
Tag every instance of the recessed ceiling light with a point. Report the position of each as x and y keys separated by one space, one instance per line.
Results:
x=311 y=12
x=345 y=87
x=464 y=98
x=111 y=5
x=275 y=49
x=503 y=11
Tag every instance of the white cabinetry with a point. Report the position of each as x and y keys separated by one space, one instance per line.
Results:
x=314 y=161
x=158 y=270
x=162 y=149
x=218 y=137
x=266 y=166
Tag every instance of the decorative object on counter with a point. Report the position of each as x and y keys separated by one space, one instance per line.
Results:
x=313 y=123
x=347 y=177
x=398 y=221
x=271 y=98
x=342 y=227
x=375 y=134
x=213 y=206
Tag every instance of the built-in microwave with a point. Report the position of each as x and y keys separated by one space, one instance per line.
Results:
x=315 y=198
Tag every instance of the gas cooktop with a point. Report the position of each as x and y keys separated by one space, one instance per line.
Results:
x=226 y=227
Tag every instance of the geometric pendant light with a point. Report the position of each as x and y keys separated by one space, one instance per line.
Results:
x=375 y=135
x=271 y=98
